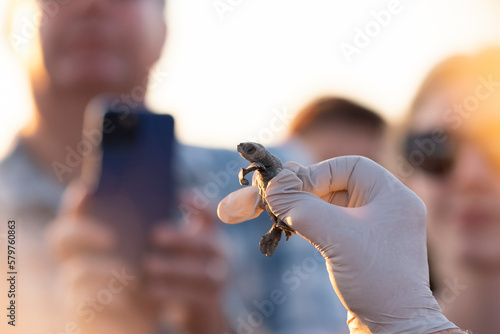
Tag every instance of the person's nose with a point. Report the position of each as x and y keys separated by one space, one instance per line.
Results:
x=471 y=171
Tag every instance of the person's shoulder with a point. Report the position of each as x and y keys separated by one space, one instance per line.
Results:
x=204 y=156
x=24 y=184
x=15 y=166
x=200 y=149
x=197 y=165
x=293 y=149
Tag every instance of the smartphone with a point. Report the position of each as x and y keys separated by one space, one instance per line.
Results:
x=130 y=173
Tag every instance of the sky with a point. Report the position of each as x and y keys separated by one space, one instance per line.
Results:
x=237 y=70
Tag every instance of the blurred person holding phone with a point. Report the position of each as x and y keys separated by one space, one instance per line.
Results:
x=451 y=159
x=88 y=48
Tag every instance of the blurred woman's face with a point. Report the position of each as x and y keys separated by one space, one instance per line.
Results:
x=456 y=176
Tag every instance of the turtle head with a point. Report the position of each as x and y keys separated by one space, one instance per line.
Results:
x=252 y=152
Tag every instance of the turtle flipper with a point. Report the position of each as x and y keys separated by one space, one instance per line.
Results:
x=269 y=242
x=244 y=171
x=279 y=224
x=241 y=177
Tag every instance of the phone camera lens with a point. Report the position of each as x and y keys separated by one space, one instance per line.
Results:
x=123 y=128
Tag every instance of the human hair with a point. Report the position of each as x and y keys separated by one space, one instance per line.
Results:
x=458 y=70
x=334 y=110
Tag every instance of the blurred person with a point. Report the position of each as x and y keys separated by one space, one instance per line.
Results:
x=452 y=161
x=87 y=48
x=330 y=127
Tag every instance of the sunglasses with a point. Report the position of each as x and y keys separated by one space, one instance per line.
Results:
x=431 y=153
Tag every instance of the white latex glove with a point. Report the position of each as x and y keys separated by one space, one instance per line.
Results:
x=373 y=239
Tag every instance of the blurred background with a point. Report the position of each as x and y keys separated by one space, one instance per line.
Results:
x=251 y=65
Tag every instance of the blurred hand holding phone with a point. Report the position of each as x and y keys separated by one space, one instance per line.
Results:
x=123 y=221
x=131 y=174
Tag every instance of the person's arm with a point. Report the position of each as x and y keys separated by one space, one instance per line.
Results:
x=370 y=229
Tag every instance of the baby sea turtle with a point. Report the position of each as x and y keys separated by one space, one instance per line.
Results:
x=267 y=166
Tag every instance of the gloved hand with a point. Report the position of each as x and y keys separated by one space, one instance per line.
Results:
x=373 y=239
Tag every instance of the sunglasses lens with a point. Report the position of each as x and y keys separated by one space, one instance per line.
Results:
x=431 y=156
